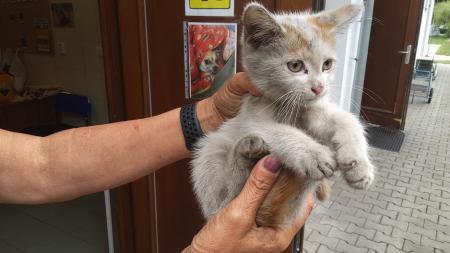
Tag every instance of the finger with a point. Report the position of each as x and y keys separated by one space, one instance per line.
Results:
x=301 y=217
x=258 y=185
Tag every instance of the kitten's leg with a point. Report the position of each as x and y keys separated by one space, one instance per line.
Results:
x=298 y=151
x=347 y=137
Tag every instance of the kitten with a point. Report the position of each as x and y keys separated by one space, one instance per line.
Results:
x=290 y=58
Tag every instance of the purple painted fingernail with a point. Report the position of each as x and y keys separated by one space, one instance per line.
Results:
x=272 y=164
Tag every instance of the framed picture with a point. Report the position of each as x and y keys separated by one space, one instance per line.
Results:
x=210 y=57
x=63 y=15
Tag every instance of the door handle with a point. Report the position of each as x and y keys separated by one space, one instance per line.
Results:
x=407 y=54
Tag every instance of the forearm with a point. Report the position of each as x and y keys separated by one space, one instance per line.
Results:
x=85 y=160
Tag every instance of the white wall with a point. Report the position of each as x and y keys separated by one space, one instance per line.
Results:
x=425 y=28
x=80 y=69
x=347 y=51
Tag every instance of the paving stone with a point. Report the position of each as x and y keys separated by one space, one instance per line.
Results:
x=409 y=246
x=434 y=226
x=321 y=228
x=310 y=247
x=324 y=249
x=422 y=208
x=366 y=232
x=377 y=246
x=350 y=195
x=405 y=235
x=347 y=248
x=431 y=233
x=399 y=209
x=392 y=249
x=407 y=218
x=444 y=214
x=403 y=196
x=419 y=214
x=341 y=224
x=444 y=207
x=342 y=208
x=442 y=237
x=386 y=229
x=371 y=216
x=329 y=242
x=430 y=190
x=360 y=205
x=444 y=221
x=389 y=199
x=402 y=225
x=395 y=188
x=352 y=219
x=386 y=212
x=423 y=195
x=445 y=246
x=344 y=236
x=396 y=241
x=374 y=201
x=422 y=201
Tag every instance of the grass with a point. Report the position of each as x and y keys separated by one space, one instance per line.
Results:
x=444 y=42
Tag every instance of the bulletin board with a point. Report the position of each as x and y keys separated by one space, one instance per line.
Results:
x=26 y=24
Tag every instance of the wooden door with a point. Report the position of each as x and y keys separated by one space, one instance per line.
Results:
x=157 y=213
x=388 y=76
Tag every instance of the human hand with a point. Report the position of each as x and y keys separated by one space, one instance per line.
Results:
x=225 y=103
x=233 y=229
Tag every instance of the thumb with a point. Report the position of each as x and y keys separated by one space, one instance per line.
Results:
x=258 y=185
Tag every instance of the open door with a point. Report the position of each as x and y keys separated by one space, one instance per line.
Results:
x=390 y=61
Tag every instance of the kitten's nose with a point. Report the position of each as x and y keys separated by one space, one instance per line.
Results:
x=317 y=90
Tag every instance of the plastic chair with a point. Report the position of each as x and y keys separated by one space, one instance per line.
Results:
x=66 y=103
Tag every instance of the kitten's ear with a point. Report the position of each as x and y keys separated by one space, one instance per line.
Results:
x=260 y=29
x=339 y=19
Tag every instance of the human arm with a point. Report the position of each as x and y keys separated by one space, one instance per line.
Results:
x=79 y=161
x=233 y=229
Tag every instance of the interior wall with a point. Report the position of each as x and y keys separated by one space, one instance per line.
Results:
x=80 y=68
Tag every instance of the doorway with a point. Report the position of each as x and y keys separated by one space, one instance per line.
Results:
x=390 y=62
x=56 y=47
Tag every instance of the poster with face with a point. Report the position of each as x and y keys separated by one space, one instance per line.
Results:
x=210 y=57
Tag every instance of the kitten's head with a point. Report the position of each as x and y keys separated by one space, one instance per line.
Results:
x=292 y=53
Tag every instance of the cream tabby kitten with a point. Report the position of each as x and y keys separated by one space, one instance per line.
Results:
x=290 y=58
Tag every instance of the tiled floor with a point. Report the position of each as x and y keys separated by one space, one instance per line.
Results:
x=408 y=207
x=74 y=226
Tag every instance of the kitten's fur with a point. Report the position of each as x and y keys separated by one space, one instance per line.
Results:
x=310 y=136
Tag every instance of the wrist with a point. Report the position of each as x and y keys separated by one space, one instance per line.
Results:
x=208 y=115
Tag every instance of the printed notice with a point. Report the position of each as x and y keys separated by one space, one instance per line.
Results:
x=218 y=8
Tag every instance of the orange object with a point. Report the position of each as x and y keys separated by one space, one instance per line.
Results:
x=6 y=88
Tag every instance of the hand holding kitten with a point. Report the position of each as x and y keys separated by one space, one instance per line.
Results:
x=236 y=222
x=225 y=103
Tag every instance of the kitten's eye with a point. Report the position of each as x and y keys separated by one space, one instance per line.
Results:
x=327 y=65
x=296 y=66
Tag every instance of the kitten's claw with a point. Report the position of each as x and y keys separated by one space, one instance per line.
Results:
x=322 y=163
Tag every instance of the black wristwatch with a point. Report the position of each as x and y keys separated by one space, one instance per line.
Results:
x=190 y=125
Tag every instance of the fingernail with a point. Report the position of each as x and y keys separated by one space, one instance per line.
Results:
x=272 y=164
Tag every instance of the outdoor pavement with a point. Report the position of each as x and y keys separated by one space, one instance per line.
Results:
x=432 y=49
x=407 y=209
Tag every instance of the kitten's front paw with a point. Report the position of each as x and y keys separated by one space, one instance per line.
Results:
x=252 y=146
x=358 y=170
x=321 y=163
